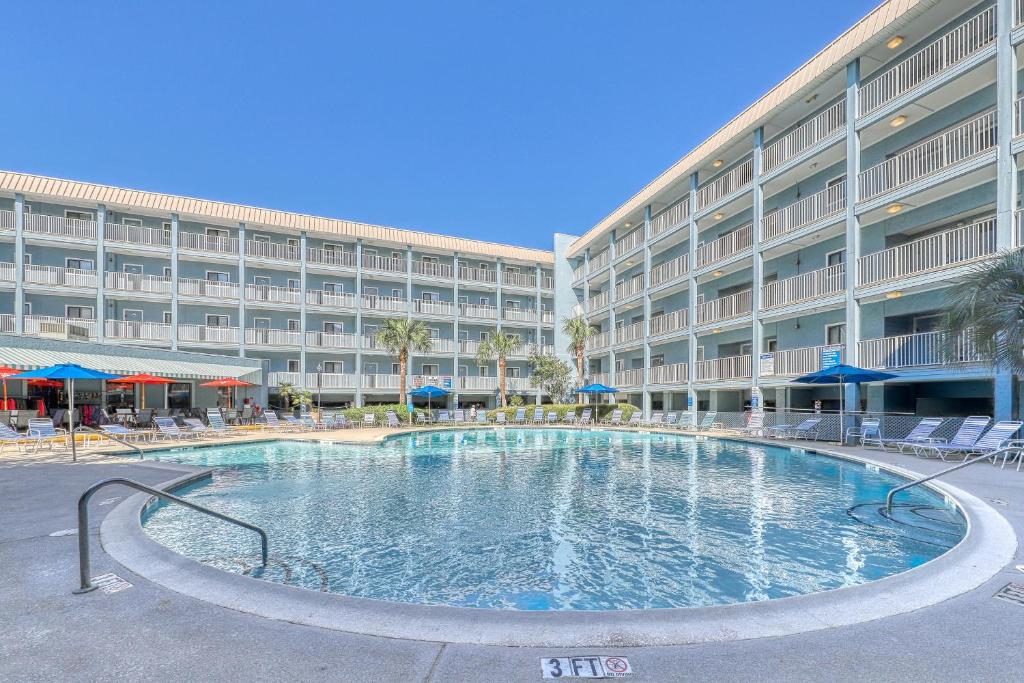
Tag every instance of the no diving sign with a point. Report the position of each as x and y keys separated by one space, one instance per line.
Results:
x=592 y=666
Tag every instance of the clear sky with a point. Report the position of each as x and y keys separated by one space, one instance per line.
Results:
x=501 y=121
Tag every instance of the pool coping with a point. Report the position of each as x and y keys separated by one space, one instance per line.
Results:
x=988 y=546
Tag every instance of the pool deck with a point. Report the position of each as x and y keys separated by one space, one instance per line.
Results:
x=149 y=632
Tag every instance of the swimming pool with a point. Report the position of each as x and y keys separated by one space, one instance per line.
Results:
x=554 y=519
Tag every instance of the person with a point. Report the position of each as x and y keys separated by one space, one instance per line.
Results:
x=472 y=412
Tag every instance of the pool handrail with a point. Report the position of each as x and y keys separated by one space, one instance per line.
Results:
x=967 y=461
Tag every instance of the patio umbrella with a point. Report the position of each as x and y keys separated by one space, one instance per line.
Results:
x=597 y=389
x=69 y=372
x=842 y=375
x=45 y=383
x=227 y=383
x=428 y=392
x=142 y=378
x=6 y=372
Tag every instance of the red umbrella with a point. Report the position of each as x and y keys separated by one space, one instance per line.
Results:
x=46 y=383
x=6 y=372
x=227 y=382
x=142 y=378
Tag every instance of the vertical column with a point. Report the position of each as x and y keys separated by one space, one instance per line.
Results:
x=408 y=312
x=456 y=344
x=586 y=308
x=101 y=273
x=852 y=395
x=1006 y=170
x=539 y=338
x=302 y=308
x=498 y=275
x=757 y=327
x=647 y=313
x=612 y=398
x=691 y=345
x=241 y=290
x=19 y=264
x=174 y=282
x=359 y=324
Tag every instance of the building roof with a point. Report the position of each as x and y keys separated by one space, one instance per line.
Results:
x=834 y=56
x=76 y=191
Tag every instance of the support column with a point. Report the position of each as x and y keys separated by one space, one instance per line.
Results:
x=19 y=264
x=457 y=344
x=358 y=398
x=174 y=282
x=586 y=310
x=647 y=313
x=757 y=327
x=612 y=398
x=851 y=353
x=241 y=290
x=691 y=345
x=101 y=273
x=1006 y=170
x=539 y=336
x=302 y=307
x=408 y=315
x=498 y=274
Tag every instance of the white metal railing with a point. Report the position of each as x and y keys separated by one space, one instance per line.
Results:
x=372 y=343
x=207 y=288
x=1018 y=12
x=1018 y=114
x=381 y=381
x=629 y=333
x=320 y=297
x=726 y=184
x=527 y=315
x=273 y=294
x=627 y=288
x=934 y=154
x=137 y=282
x=432 y=269
x=330 y=257
x=273 y=250
x=629 y=243
x=390 y=264
x=478 y=383
x=829 y=202
x=478 y=311
x=469 y=347
x=934 y=59
x=672 y=217
x=7 y=219
x=599 y=341
x=518 y=384
x=547 y=282
x=7 y=272
x=477 y=274
x=669 y=322
x=804 y=287
x=600 y=261
x=547 y=316
x=60 y=277
x=267 y=336
x=915 y=350
x=210 y=244
x=733 y=243
x=207 y=334
x=726 y=307
x=805 y=136
x=59 y=327
x=730 y=367
x=934 y=252
x=7 y=323
x=514 y=279
x=600 y=378
x=135 y=234
x=277 y=378
x=629 y=378
x=433 y=307
x=578 y=272
x=442 y=345
x=599 y=301
x=670 y=270
x=137 y=330
x=57 y=226
x=330 y=380
x=331 y=340
x=673 y=373
x=384 y=303
x=1018 y=221
x=795 y=361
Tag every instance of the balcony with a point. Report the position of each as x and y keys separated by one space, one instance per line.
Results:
x=386 y=264
x=670 y=270
x=381 y=381
x=601 y=340
x=1018 y=115
x=671 y=218
x=7 y=220
x=792 y=362
x=433 y=270
x=7 y=272
x=600 y=261
x=726 y=185
x=932 y=61
x=206 y=334
x=600 y=378
x=629 y=378
x=516 y=279
x=433 y=307
x=629 y=333
x=138 y=283
x=272 y=294
x=931 y=156
x=54 y=327
x=468 y=347
x=676 y=321
x=55 y=226
x=273 y=250
x=7 y=323
x=477 y=383
x=816 y=207
x=442 y=346
x=60 y=277
x=208 y=244
x=392 y=304
x=264 y=336
x=330 y=340
x=817 y=284
x=725 y=308
x=518 y=384
x=330 y=257
x=675 y=373
x=1018 y=12
x=132 y=330
x=523 y=315
x=485 y=275
x=135 y=235
x=275 y=379
x=720 y=369
x=330 y=380
x=210 y=289
x=625 y=289
x=547 y=317
x=320 y=297
x=483 y=311
x=917 y=350
x=796 y=142
x=578 y=272
x=372 y=343
x=929 y=254
x=547 y=282
x=726 y=246
x=624 y=246
x=598 y=301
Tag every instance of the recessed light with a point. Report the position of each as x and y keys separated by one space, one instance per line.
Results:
x=811 y=98
x=719 y=216
x=717 y=163
x=893 y=295
x=717 y=273
x=628 y=224
x=894 y=42
x=717 y=330
x=898 y=121
x=893 y=208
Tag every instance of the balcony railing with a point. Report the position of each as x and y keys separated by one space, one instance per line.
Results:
x=7 y=272
x=478 y=383
x=330 y=257
x=330 y=340
x=384 y=303
x=600 y=340
x=518 y=384
x=732 y=306
x=273 y=250
x=917 y=350
x=433 y=307
x=600 y=378
x=796 y=361
x=477 y=274
x=829 y=202
x=372 y=343
x=136 y=235
x=547 y=282
x=330 y=380
x=468 y=347
x=934 y=252
x=600 y=261
x=60 y=277
x=526 y=315
x=319 y=297
x=388 y=264
x=630 y=287
x=578 y=272
x=209 y=244
x=799 y=140
x=670 y=322
x=670 y=270
x=671 y=218
x=39 y=224
x=442 y=345
x=207 y=334
x=733 y=243
x=56 y=327
x=7 y=323
x=136 y=282
x=629 y=333
x=934 y=154
x=381 y=381
x=514 y=279
x=7 y=220
x=547 y=317
x=294 y=378
x=137 y=330
x=933 y=60
x=1018 y=115
x=1018 y=12
x=207 y=288
x=432 y=269
x=736 y=180
x=273 y=294
x=264 y=336
x=598 y=301
x=484 y=311
x=629 y=243
x=816 y=284
x=675 y=373
x=730 y=367
x=629 y=378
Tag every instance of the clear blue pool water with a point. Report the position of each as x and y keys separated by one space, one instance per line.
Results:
x=554 y=519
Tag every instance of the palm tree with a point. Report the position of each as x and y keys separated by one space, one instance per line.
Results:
x=499 y=345
x=286 y=391
x=986 y=310
x=578 y=332
x=401 y=337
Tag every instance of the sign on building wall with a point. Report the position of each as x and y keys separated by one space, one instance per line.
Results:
x=831 y=355
x=767 y=365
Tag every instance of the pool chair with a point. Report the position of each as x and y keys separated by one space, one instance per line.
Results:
x=500 y=417
x=963 y=441
x=369 y=420
x=921 y=432
x=481 y=417
x=635 y=419
x=421 y=418
x=459 y=416
x=615 y=419
x=538 y=416
x=168 y=429
x=989 y=443
x=328 y=421
x=196 y=426
x=520 y=417
x=552 y=417
x=755 y=424
x=708 y=421
x=784 y=431
x=42 y=431
x=273 y=422
x=124 y=434
x=10 y=437
x=585 y=417
x=657 y=419
x=570 y=418
x=217 y=424
x=870 y=428
x=444 y=416
x=294 y=423
x=671 y=420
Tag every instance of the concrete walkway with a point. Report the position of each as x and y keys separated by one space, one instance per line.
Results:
x=147 y=632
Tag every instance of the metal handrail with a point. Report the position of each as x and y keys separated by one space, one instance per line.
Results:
x=967 y=461
x=83 y=523
x=112 y=437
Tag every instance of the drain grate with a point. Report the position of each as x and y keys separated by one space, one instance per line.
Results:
x=1012 y=592
x=110 y=583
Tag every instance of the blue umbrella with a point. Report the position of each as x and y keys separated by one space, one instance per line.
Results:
x=428 y=392
x=843 y=374
x=597 y=389
x=69 y=372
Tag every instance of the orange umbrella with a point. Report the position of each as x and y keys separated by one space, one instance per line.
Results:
x=142 y=378
x=46 y=383
x=6 y=372
x=227 y=382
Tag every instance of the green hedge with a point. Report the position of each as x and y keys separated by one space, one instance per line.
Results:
x=600 y=410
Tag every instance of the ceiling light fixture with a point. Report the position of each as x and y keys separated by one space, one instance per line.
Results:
x=898 y=121
x=718 y=273
x=811 y=98
x=893 y=295
x=717 y=163
x=894 y=42
x=628 y=224
x=894 y=208
x=719 y=216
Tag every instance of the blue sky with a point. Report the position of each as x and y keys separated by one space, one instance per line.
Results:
x=500 y=121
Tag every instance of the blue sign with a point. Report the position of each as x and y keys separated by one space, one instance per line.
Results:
x=689 y=401
x=831 y=356
x=447 y=383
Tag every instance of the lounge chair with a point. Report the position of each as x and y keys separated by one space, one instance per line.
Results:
x=460 y=416
x=369 y=420
x=585 y=417
x=295 y=423
x=552 y=417
x=538 y=416
x=393 y=421
x=217 y=424
x=635 y=419
x=615 y=419
x=921 y=432
x=657 y=419
x=481 y=417
x=708 y=421
x=520 y=417
x=273 y=422
x=998 y=437
x=804 y=430
x=342 y=422
x=122 y=432
x=196 y=426
x=144 y=417
x=755 y=424
x=570 y=417
x=168 y=429
x=684 y=421
x=444 y=416
x=962 y=442
x=421 y=418
x=42 y=431
x=500 y=418
x=9 y=437
x=870 y=428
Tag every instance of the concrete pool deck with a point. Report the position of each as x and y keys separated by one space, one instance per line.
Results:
x=148 y=631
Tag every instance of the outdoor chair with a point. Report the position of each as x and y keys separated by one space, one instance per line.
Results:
x=805 y=430
x=538 y=415
x=273 y=422
x=552 y=417
x=671 y=420
x=481 y=417
x=393 y=420
x=920 y=433
x=122 y=432
x=585 y=417
x=169 y=429
x=42 y=431
x=755 y=424
x=635 y=419
x=708 y=421
x=194 y=425
x=500 y=417
x=656 y=420
x=369 y=420
x=144 y=418
x=870 y=427
x=444 y=416
x=963 y=441
x=9 y=437
x=246 y=416
x=217 y=424
x=295 y=423
x=421 y=418
x=570 y=417
x=615 y=419
x=520 y=417
x=459 y=416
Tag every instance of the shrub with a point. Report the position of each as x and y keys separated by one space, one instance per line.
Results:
x=355 y=415
x=600 y=410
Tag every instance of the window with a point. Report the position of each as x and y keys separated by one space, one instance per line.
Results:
x=216 y=276
x=328 y=246
x=835 y=334
x=514 y=270
x=771 y=344
x=463 y=300
x=485 y=266
x=167 y=317
x=463 y=335
x=435 y=333
x=928 y=323
x=261 y=280
x=217 y=232
x=179 y=395
x=485 y=301
x=167 y=229
x=700 y=354
x=429 y=260
x=79 y=215
x=292 y=242
x=213 y=320
x=167 y=271
x=511 y=303
x=293 y=325
x=28 y=259
x=370 y=368
x=334 y=367
x=481 y=370
x=657 y=361
x=334 y=328
x=132 y=315
x=430 y=296
x=429 y=369
x=396 y=369
x=80 y=263
x=620 y=365
x=261 y=323
x=132 y=222
x=396 y=293
x=463 y=371
x=512 y=371
x=745 y=349
x=293 y=283
x=334 y=287
x=133 y=268
x=78 y=312
x=261 y=238
x=484 y=336
x=835 y=258
x=28 y=308
x=293 y=365
x=370 y=329
x=369 y=291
